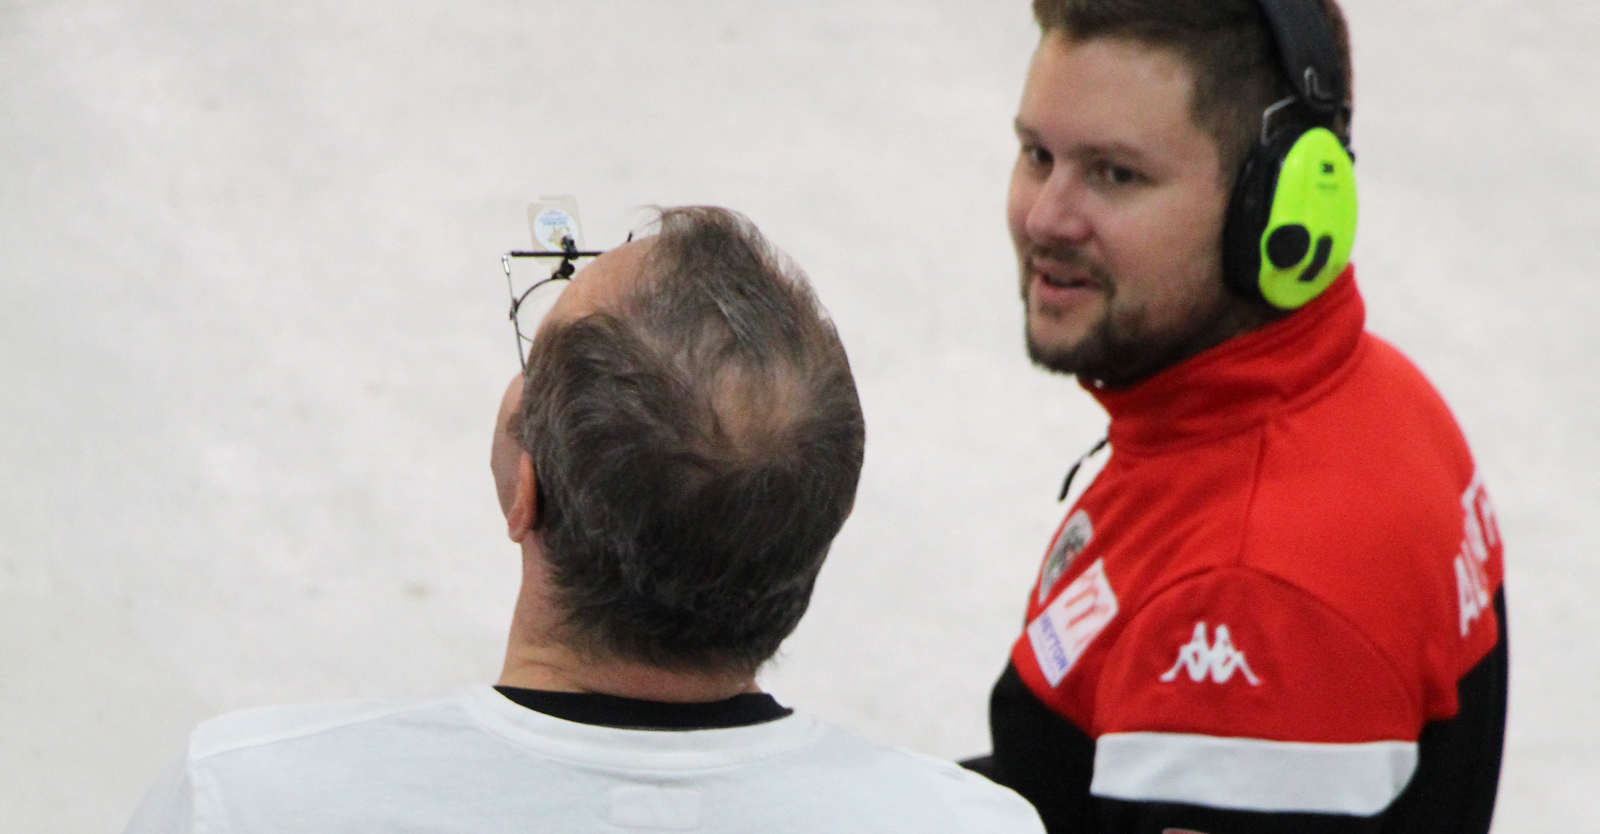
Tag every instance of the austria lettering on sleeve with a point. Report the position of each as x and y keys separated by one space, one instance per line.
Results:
x=1480 y=536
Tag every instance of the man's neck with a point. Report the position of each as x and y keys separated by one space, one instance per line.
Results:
x=538 y=656
x=557 y=669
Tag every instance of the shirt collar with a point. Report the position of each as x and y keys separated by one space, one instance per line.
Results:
x=1243 y=381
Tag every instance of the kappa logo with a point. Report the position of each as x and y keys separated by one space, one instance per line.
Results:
x=1073 y=538
x=1219 y=659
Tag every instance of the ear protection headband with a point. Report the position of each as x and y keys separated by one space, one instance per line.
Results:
x=1292 y=217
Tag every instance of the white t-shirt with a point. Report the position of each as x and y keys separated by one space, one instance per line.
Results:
x=476 y=762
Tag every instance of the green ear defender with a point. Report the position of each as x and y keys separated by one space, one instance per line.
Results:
x=1292 y=219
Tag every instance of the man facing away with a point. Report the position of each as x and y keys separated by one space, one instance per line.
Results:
x=1274 y=601
x=675 y=461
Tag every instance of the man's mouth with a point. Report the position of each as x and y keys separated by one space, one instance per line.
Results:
x=1065 y=281
x=1063 y=277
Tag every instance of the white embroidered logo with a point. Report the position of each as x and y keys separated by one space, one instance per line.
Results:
x=1219 y=659
x=1480 y=533
x=1066 y=627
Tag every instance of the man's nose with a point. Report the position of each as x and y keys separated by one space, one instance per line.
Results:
x=1059 y=211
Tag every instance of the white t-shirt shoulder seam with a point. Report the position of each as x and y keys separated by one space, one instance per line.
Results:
x=268 y=725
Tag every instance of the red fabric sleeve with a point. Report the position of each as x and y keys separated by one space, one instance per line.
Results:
x=1234 y=652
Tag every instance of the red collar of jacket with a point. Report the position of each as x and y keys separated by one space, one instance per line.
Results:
x=1243 y=381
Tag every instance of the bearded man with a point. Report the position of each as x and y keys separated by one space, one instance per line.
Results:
x=1274 y=601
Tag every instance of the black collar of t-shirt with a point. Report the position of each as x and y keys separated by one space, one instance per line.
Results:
x=634 y=714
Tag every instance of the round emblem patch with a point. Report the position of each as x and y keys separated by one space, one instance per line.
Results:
x=1071 y=541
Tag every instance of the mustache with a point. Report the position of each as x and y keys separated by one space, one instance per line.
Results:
x=1071 y=258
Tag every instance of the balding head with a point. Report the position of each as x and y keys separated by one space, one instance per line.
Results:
x=694 y=430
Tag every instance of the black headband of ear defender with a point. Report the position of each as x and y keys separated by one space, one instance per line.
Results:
x=1310 y=59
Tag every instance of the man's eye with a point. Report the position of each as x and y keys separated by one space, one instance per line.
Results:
x=1118 y=175
x=1037 y=155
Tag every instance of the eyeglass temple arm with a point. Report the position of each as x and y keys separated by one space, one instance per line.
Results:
x=569 y=251
x=568 y=255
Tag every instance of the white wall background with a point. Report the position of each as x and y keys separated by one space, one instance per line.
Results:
x=252 y=338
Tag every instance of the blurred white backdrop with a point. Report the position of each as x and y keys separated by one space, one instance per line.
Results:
x=252 y=338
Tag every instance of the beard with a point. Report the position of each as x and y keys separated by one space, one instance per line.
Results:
x=1112 y=353
x=1123 y=346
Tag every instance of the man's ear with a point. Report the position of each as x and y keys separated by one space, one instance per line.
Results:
x=523 y=514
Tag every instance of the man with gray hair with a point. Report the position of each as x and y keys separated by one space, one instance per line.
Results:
x=674 y=462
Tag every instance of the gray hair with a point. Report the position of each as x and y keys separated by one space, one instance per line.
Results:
x=697 y=450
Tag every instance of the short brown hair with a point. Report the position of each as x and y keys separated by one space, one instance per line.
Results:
x=1228 y=45
x=697 y=449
